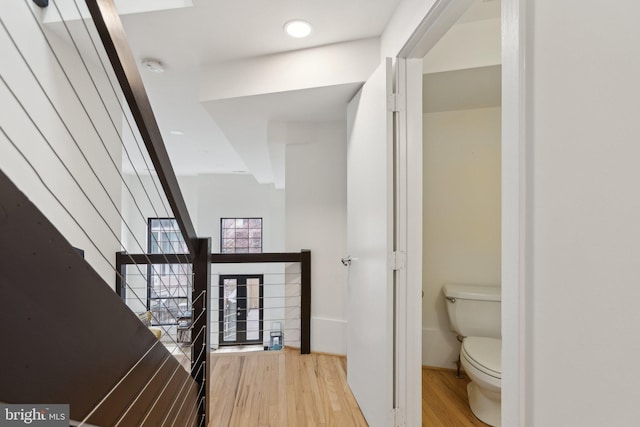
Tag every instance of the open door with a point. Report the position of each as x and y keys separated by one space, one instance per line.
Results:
x=370 y=342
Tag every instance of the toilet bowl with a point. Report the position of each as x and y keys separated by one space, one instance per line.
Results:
x=474 y=314
x=481 y=360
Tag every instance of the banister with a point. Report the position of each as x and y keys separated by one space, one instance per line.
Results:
x=114 y=39
x=303 y=257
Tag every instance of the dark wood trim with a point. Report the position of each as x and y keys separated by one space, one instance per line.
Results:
x=256 y=258
x=200 y=327
x=129 y=259
x=121 y=269
x=305 y=302
x=268 y=257
x=107 y=22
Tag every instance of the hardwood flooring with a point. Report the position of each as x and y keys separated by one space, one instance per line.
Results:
x=284 y=388
x=444 y=400
x=281 y=388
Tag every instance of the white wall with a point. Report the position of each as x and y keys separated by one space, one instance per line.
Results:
x=238 y=196
x=316 y=220
x=208 y=198
x=461 y=223
x=101 y=240
x=241 y=196
x=583 y=208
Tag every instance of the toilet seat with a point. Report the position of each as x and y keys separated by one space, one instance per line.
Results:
x=484 y=354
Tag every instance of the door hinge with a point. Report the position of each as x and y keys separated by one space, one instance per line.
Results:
x=397 y=417
x=398 y=260
x=395 y=102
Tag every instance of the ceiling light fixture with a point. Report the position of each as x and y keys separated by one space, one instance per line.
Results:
x=153 y=65
x=176 y=132
x=298 y=28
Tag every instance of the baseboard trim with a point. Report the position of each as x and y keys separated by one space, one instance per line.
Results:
x=328 y=335
x=439 y=368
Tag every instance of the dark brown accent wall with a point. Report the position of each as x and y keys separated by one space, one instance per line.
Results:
x=67 y=337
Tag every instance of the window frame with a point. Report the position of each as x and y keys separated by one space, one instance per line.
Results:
x=174 y=269
x=223 y=250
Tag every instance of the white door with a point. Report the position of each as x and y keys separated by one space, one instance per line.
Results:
x=369 y=234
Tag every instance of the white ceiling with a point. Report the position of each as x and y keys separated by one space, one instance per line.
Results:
x=218 y=31
x=229 y=136
x=198 y=39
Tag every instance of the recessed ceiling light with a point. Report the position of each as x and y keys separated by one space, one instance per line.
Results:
x=176 y=132
x=153 y=65
x=298 y=28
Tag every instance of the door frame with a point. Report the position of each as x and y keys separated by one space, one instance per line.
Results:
x=514 y=257
x=239 y=277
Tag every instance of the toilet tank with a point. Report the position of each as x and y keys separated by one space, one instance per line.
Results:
x=474 y=310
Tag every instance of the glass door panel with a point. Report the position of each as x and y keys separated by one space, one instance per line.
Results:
x=241 y=309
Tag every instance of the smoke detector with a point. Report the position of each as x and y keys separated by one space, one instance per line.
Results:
x=153 y=65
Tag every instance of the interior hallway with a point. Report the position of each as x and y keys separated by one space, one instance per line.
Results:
x=284 y=388
x=281 y=388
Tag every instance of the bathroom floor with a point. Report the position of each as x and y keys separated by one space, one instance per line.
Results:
x=444 y=400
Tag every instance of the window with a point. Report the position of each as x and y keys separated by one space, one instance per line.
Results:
x=165 y=237
x=240 y=235
x=169 y=285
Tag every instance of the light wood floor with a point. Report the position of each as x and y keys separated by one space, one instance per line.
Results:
x=284 y=388
x=281 y=388
x=444 y=400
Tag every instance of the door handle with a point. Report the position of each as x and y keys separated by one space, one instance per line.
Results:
x=346 y=261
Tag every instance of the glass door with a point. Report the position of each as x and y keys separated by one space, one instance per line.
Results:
x=241 y=309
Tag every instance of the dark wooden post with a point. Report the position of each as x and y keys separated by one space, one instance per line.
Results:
x=305 y=301
x=121 y=274
x=201 y=320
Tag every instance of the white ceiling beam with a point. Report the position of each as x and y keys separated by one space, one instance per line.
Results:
x=330 y=65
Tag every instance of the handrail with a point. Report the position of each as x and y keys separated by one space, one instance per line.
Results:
x=303 y=257
x=114 y=39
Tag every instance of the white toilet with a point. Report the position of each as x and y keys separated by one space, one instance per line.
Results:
x=474 y=314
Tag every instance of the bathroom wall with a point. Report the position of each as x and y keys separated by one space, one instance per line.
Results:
x=461 y=225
